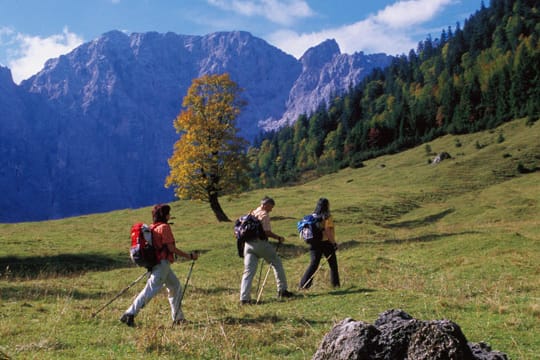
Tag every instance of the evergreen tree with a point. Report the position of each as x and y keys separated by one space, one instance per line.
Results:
x=469 y=79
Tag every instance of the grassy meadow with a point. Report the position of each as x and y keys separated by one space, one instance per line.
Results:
x=459 y=240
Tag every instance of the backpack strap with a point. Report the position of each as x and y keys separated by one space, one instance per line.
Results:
x=320 y=223
x=154 y=226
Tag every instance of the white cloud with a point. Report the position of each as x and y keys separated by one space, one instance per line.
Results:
x=31 y=52
x=5 y=31
x=403 y=14
x=6 y=40
x=277 y=11
x=375 y=34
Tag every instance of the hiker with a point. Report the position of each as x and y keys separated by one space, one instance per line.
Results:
x=161 y=274
x=261 y=248
x=327 y=247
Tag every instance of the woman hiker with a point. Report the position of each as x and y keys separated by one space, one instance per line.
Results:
x=161 y=274
x=327 y=247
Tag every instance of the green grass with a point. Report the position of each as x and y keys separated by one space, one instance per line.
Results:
x=459 y=240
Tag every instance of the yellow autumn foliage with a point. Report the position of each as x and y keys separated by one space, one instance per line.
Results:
x=209 y=158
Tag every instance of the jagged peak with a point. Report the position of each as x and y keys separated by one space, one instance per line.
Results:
x=113 y=34
x=240 y=37
x=236 y=33
x=5 y=73
x=6 y=79
x=321 y=54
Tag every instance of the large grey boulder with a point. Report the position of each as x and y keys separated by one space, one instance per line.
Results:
x=396 y=335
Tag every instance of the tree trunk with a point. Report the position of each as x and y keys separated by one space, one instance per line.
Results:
x=216 y=208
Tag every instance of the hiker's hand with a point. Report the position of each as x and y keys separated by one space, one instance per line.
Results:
x=280 y=239
x=193 y=255
x=335 y=245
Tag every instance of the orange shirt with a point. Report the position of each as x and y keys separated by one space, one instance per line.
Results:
x=328 y=226
x=161 y=236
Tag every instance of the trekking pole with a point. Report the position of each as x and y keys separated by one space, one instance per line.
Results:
x=183 y=292
x=264 y=282
x=120 y=293
x=313 y=275
x=187 y=281
x=260 y=275
x=265 y=277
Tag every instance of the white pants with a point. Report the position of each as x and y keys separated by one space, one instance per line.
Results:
x=161 y=275
x=254 y=250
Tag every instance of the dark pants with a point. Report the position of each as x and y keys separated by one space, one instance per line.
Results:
x=316 y=251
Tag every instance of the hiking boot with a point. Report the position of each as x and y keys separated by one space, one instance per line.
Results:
x=285 y=294
x=246 y=302
x=128 y=319
x=180 y=322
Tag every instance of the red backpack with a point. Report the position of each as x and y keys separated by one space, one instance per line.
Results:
x=142 y=251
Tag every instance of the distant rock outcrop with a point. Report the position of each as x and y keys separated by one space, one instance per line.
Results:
x=395 y=335
x=440 y=157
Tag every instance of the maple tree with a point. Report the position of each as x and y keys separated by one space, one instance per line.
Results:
x=209 y=158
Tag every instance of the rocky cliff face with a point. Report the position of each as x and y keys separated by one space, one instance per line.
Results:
x=325 y=73
x=93 y=130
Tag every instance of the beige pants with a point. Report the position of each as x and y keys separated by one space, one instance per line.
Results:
x=253 y=251
x=161 y=275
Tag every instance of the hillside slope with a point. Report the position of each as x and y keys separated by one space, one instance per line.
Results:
x=459 y=240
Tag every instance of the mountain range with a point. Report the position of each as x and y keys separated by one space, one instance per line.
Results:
x=93 y=130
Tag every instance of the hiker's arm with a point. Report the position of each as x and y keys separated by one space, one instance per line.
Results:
x=190 y=256
x=169 y=242
x=265 y=220
x=270 y=234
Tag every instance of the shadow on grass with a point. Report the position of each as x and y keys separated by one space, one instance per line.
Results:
x=348 y=245
x=427 y=237
x=215 y=290
x=350 y=290
x=279 y=218
x=336 y=292
x=34 y=292
x=58 y=265
x=420 y=222
x=287 y=250
x=265 y=318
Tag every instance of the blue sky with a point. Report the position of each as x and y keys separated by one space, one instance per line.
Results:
x=32 y=31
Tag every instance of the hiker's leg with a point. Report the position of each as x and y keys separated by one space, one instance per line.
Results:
x=331 y=256
x=152 y=287
x=174 y=292
x=251 y=260
x=270 y=255
x=315 y=254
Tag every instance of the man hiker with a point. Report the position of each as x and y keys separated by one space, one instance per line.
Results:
x=261 y=248
x=161 y=274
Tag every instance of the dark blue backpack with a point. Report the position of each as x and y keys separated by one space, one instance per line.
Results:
x=247 y=228
x=310 y=228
